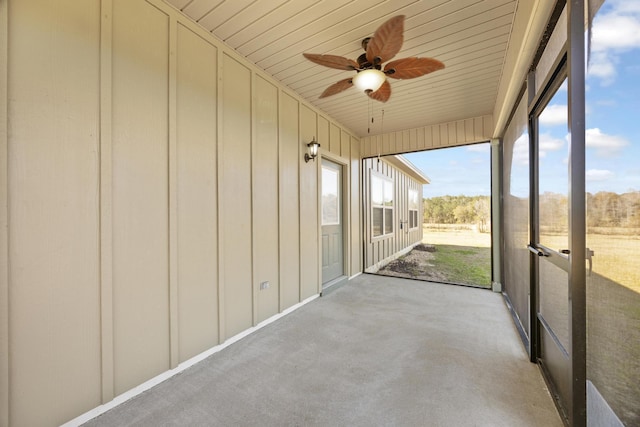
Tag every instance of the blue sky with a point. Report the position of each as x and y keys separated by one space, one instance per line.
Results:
x=612 y=122
x=455 y=171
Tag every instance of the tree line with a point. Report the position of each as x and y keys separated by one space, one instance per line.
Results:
x=459 y=210
x=604 y=209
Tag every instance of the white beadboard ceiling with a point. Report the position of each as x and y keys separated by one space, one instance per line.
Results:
x=469 y=36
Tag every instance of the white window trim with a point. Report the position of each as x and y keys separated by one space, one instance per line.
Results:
x=338 y=198
x=416 y=209
x=415 y=227
x=383 y=207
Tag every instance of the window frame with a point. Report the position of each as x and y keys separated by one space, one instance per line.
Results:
x=386 y=207
x=413 y=209
x=338 y=206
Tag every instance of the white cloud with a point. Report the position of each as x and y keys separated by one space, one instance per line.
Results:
x=554 y=115
x=599 y=175
x=546 y=143
x=605 y=145
x=521 y=147
x=616 y=30
x=602 y=65
x=521 y=150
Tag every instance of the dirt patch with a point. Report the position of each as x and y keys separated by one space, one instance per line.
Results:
x=424 y=248
x=417 y=264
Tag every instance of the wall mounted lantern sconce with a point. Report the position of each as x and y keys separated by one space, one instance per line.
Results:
x=313 y=147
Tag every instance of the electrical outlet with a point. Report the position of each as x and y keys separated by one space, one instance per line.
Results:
x=264 y=285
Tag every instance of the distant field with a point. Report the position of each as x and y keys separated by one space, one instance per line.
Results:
x=458 y=235
x=615 y=255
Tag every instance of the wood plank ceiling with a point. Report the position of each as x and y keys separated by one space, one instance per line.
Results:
x=469 y=36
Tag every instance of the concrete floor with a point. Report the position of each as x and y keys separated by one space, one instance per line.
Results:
x=378 y=351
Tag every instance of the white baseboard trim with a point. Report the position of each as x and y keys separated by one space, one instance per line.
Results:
x=118 y=400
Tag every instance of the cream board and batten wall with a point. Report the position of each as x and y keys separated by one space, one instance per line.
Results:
x=461 y=132
x=380 y=250
x=151 y=179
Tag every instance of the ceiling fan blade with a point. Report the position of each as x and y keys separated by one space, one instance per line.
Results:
x=381 y=94
x=332 y=61
x=409 y=68
x=337 y=87
x=386 y=41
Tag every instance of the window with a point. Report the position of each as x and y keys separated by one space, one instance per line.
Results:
x=381 y=205
x=330 y=196
x=413 y=208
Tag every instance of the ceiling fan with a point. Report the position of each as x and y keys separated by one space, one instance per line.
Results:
x=371 y=78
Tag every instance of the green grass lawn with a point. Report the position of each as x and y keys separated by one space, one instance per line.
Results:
x=464 y=264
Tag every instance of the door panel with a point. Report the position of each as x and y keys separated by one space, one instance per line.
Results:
x=332 y=244
x=553 y=310
x=550 y=241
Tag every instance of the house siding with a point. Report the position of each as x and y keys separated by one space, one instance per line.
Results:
x=460 y=132
x=153 y=180
x=380 y=250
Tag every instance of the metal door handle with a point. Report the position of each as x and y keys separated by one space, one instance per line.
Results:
x=590 y=255
x=537 y=251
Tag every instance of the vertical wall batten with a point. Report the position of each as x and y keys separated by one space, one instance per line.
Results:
x=289 y=188
x=308 y=206
x=300 y=197
x=265 y=199
x=278 y=209
x=222 y=335
x=197 y=206
x=346 y=205
x=252 y=274
x=322 y=132
x=255 y=287
x=236 y=195
x=140 y=192
x=174 y=338
x=106 y=202
x=4 y=221
x=356 y=220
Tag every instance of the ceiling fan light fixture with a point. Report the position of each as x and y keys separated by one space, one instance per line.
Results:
x=383 y=46
x=369 y=80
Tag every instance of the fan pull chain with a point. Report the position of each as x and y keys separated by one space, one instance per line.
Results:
x=369 y=116
x=381 y=134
